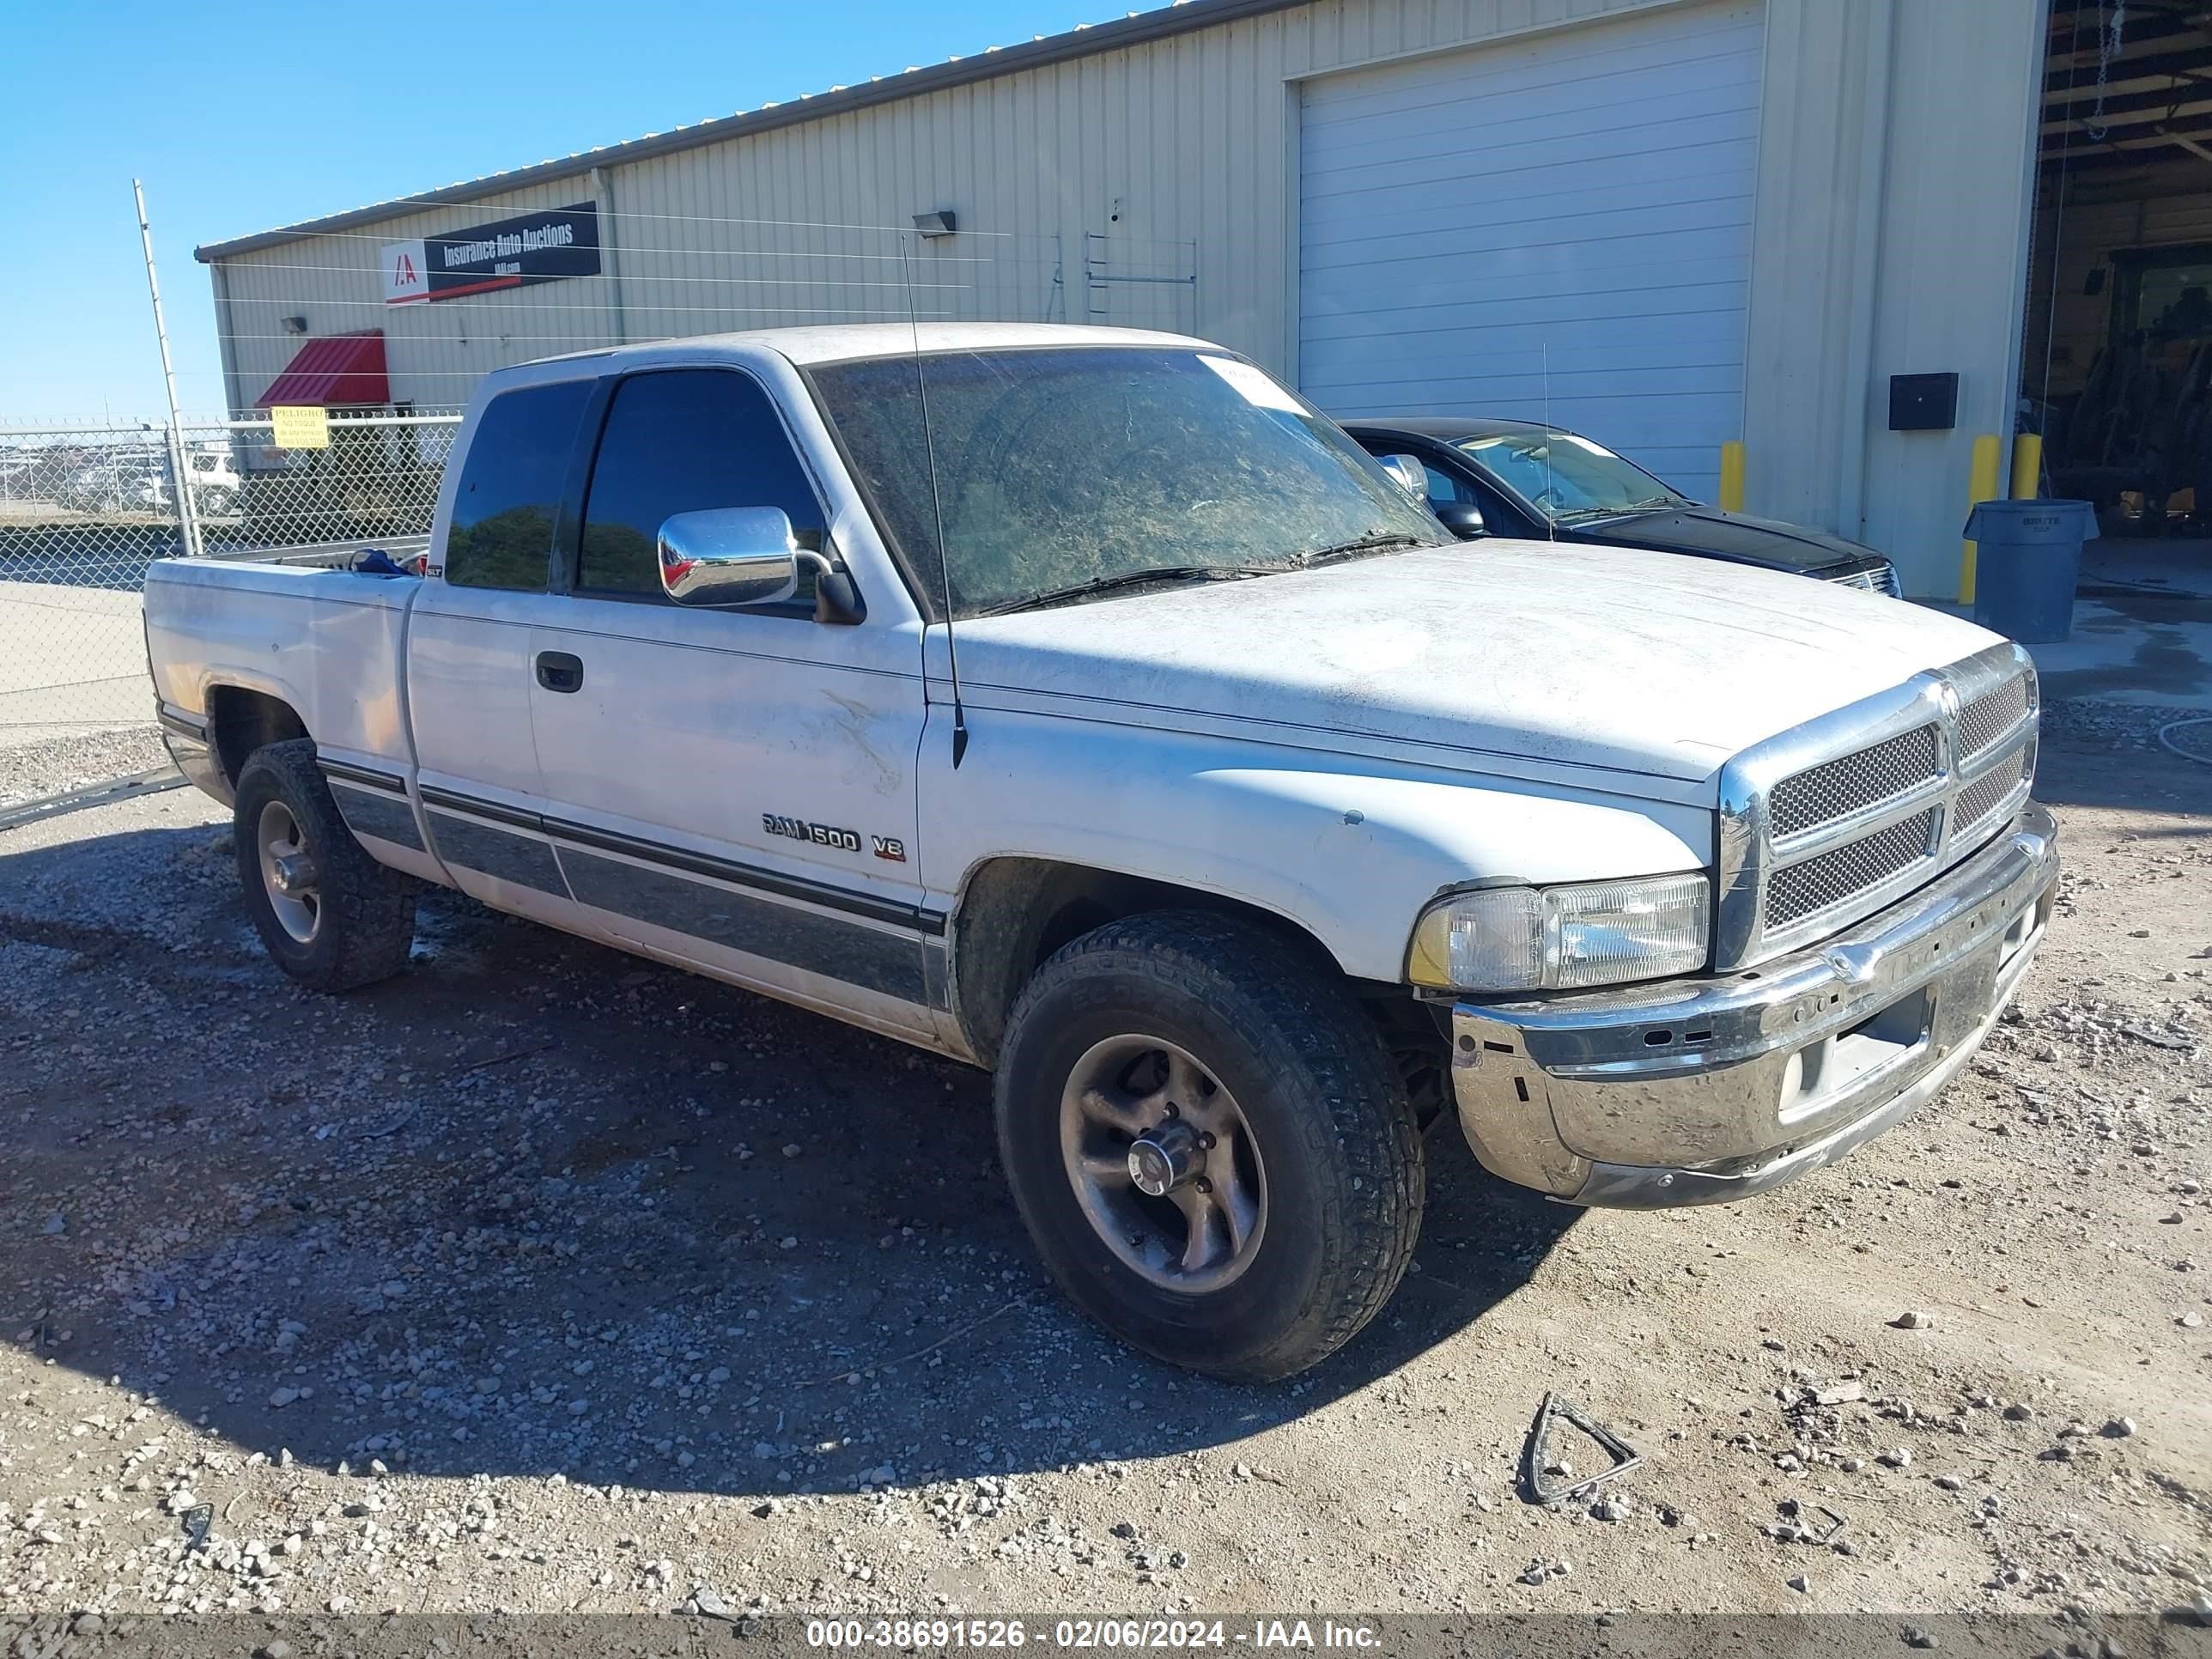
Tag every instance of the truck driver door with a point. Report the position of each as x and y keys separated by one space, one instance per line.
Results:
x=729 y=787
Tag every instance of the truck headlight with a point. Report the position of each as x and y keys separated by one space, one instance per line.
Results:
x=1558 y=939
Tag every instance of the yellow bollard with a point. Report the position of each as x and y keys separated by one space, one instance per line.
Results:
x=1732 y=477
x=1981 y=486
x=2027 y=467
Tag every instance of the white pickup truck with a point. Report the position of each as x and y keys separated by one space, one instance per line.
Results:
x=1083 y=704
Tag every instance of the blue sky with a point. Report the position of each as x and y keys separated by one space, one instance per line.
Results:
x=238 y=118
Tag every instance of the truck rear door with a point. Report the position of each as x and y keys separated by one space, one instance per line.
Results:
x=469 y=670
x=734 y=787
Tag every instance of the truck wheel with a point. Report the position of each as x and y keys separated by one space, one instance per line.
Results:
x=333 y=918
x=1209 y=1145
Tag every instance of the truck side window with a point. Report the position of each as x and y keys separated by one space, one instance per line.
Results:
x=501 y=533
x=679 y=441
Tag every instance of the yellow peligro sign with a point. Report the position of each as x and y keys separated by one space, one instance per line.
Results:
x=300 y=426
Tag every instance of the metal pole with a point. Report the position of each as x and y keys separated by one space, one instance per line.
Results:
x=1982 y=485
x=1732 y=476
x=603 y=191
x=188 y=520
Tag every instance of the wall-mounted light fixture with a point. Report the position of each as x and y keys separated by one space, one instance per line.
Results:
x=935 y=224
x=295 y=325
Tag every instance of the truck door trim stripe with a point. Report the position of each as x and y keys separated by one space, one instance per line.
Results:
x=915 y=918
x=373 y=812
x=183 y=724
x=524 y=861
x=365 y=776
x=931 y=922
x=848 y=952
x=492 y=810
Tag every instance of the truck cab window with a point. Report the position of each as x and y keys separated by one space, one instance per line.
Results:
x=679 y=441
x=509 y=494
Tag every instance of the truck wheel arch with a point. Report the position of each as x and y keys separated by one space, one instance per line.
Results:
x=1015 y=913
x=240 y=721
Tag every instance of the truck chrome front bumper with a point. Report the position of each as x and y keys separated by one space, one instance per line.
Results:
x=1706 y=1090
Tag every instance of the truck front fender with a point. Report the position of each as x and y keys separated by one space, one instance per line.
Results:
x=1349 y=849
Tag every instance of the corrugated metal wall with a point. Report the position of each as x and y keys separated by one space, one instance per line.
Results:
x=1951 y=282
x=1890 y=237
x=1888 y=234
x=434 y=353
x=1179 y=155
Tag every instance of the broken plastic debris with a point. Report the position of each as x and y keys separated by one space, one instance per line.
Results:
x=1624 y=1457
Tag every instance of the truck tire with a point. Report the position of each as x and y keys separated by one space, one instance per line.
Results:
x=1249 y=1084
x=331 y=916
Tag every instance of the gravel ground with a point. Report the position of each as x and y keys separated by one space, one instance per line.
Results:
x=543 y=1278
x=53 y=766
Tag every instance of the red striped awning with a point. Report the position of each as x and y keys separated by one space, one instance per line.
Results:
x=340 y=371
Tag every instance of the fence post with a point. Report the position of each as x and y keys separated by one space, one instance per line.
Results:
x=188 y=523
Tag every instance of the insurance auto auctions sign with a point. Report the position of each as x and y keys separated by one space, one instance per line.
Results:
x=533 y=247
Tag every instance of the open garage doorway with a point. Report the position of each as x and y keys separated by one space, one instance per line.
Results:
x=2115 y=370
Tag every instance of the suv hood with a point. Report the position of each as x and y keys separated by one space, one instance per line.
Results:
x=1552 y=653
x=1714 y=534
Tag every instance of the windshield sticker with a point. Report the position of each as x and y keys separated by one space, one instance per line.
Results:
x=1255 y=387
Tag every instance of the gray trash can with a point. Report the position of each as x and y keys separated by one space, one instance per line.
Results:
x=2029 y=561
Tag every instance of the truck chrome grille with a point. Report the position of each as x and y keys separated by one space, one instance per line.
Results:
x=1980 y=800
x=1991 y=715
x=1824 y=824
x=1871 y=581
x=1823 y=793
x=1820 y=883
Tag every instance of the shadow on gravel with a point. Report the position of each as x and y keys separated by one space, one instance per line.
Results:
x=539 y=1207
x=2077 y=768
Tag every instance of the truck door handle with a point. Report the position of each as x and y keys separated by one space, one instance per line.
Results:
x=559 y=672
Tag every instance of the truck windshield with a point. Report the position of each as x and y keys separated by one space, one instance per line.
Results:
x=1567 y=477
x=1071 y=467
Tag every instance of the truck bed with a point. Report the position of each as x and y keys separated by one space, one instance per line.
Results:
x=297 y=623
x=338 y=556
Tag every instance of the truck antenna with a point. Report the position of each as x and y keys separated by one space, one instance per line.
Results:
x=1551 y=523
x=936 y=508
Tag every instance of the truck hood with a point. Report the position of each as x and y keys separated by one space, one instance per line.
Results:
x=1557 y=654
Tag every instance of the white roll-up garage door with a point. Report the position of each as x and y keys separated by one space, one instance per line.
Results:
x=1574 y=209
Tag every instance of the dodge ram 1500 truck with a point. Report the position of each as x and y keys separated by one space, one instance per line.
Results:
x=1083 y=704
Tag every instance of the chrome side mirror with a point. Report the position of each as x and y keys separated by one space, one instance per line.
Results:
x=1409 y=472
x=729 y=556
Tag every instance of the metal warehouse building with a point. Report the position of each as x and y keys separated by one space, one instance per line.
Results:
x=1666 y=223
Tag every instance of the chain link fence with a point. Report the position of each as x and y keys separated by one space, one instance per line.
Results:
x=85 y=509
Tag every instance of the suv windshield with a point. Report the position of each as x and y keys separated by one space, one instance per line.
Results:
x=1083 y=466
x=1567 y=477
